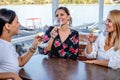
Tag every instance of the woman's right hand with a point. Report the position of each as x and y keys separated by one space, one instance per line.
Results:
x=54 y=32
x=90 y=38
x=37 y=40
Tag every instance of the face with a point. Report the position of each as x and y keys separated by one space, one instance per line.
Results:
x=109 y=24
x=62 y=16
x=14 y=26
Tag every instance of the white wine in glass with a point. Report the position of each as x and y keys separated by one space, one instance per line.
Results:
x=57 y=23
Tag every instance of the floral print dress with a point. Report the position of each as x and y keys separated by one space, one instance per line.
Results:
x=67 y=49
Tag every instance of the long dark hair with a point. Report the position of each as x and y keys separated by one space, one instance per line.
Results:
x=6 y=16
x=66 y=11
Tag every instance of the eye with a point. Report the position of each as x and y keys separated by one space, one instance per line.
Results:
x=56 y=15
x=108 y=20
x=61 y=14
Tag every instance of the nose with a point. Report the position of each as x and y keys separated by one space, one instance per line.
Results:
x=58 y=18
x=106 y=22
x=20 y=25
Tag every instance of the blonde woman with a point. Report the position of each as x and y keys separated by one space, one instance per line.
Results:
x=106 y=49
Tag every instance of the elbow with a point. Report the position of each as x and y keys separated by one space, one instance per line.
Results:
x=20 y=62
x=21 y=65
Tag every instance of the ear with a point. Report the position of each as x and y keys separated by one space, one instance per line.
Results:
x=69 y=18
x=7 y=26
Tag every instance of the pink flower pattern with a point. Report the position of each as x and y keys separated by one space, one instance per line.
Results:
x=66 y=49
x=74 y=40
x=46 y=38
x=62 y=52
x=45 y=52
x=57 y=43
x=64 y=45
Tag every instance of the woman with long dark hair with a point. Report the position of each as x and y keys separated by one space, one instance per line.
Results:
x=10 y=61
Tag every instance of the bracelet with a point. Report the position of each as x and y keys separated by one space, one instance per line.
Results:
x=52 y=38
x=31 y=49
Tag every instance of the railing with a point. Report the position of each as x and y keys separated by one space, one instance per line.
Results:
x=21 y=39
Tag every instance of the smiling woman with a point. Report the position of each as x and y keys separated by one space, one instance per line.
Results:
x=10 y=61
x=61 y=42
x=106 y=49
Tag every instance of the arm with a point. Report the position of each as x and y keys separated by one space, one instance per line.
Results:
x=89 y=48
x=92 y=47
x=98 y=62
x=45 y=47
x=113 y=62
x=48 y=47
x=25 y=57
x=53 y=34
x=9 y=75
x=89 y=43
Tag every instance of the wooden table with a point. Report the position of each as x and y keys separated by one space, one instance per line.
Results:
x=40 y=67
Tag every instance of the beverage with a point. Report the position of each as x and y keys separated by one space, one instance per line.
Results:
x=40 y=34
x=58 y=23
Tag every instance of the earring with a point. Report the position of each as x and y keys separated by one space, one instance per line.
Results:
x=8 y=31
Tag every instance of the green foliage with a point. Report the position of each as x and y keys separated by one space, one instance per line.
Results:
x=78 y=1
x=9 y=2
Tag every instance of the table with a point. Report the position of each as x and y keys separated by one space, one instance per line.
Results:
x=41 y=67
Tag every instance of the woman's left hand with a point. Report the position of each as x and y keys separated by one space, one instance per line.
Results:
x=89 y=61
x=90 y=38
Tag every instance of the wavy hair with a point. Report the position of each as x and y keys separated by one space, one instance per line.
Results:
x=115 y=19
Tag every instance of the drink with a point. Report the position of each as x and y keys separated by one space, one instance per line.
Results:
x=40 y=34
x=58 y=23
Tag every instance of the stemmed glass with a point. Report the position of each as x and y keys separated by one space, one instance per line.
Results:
x=57 y=23
x=39 y=29
x=40 y=32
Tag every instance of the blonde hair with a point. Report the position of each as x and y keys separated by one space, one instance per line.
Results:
x=115 y=19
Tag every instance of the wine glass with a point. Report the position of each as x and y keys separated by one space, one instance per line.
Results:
x=57 y=23
x=38 y=28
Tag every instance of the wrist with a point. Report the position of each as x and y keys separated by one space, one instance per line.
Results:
x=52 y=37
x=89 y=42
x=32 y=49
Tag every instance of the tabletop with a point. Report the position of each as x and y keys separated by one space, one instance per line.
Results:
x=41 y=67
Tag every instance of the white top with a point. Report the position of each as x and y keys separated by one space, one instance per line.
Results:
x=99 y=52
x=8 y=57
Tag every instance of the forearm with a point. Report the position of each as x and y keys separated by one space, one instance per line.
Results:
x=25 y=57
x=50 y=42
x=89 y=48
x=8 y=75
x=101 y=62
